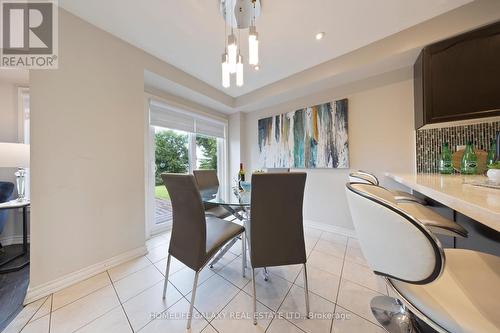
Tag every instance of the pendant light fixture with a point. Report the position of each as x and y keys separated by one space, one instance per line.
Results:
x=253 y=41
x=253 y=46
x=239 y=14
x=226 y=74
x=232 y=52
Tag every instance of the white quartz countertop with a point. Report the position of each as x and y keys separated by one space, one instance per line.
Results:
x=479 y=203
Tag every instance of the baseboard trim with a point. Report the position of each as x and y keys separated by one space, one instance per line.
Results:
x=330 y=228
x=11 y=240
x=62 y=282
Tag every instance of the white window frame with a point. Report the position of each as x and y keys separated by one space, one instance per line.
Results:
x=222 y=159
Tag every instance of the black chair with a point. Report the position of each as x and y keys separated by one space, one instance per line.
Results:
x=6 y=190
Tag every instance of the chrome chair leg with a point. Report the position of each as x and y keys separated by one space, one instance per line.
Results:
x=254 y=298
x=166 y=276
x=306 y=288
x=392 y=315
x=193 y=295
x=265 y=274
x=243 y=253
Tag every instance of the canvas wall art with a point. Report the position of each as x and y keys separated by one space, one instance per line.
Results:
x=313 y=137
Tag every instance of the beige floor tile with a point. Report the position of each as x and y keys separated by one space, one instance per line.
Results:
x=24 y=316
x=156 y=241
x=44 y=310
x=141 y=308
x=113 y=321
x=321 y=283
x=294 y=310
x=213 y=295
x=137 y=282
x=364 y=276
x=41 y=325
x=347 y=322
x=127 y=268
x=158 y=253
x=175 y=266
x=356 y=299
x=183 y=279
x=288 y=272
x=333 y=237
x=353 y=242
x=331 y=264
x=271 y=293
x=310 y=241
x=312 y=232
x=233 y=273
x=354 y=254
x=174 y=320
x=209 y=329
x=332 y=248
x=283 y=326
x=80 y=289
x=237 y=316
x=81 y=312
x=226 y=259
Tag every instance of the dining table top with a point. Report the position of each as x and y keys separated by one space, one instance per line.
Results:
x=231 y=197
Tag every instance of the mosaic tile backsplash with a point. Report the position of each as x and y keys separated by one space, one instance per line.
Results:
x=429 y=141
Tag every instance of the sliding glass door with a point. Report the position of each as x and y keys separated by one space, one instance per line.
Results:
x=181 y=143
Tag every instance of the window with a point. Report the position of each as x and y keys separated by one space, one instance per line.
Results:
x=23 y=128
x=182 y=142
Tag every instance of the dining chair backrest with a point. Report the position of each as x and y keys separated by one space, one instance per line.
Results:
x=188 y=239
x=363 y=177
x=395 y=244
x=278 y=170
x=206 y=179
x=276 y=223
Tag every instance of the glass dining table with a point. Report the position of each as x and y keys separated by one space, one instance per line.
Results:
x=234 y=201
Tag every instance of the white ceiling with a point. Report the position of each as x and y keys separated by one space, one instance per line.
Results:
x=188 y=34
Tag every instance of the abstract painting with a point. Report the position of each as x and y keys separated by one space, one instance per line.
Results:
x=313 y=137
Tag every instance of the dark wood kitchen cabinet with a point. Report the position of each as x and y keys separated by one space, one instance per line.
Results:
x=459 y=78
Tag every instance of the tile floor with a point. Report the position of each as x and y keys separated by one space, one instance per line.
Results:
x=127 y=298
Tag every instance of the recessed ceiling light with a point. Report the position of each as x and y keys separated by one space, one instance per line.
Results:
x=256 y=67
x=320 y=35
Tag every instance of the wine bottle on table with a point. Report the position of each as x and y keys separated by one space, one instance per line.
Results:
x=241 y=176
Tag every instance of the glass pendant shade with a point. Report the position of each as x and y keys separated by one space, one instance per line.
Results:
x=226 y=76
x=239 y=71
x=232 y=52
x=253 y=46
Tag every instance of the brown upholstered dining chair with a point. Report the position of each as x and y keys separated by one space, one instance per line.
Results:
x=276 y=224
x=196 y=237
x=208 y=181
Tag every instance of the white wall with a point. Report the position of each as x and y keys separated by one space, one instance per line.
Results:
x=381 y=138
x=88 y=172
x=236 y=140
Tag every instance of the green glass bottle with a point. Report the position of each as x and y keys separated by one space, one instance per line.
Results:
x=468 y=165
x=445 y=166
x=491 y=158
